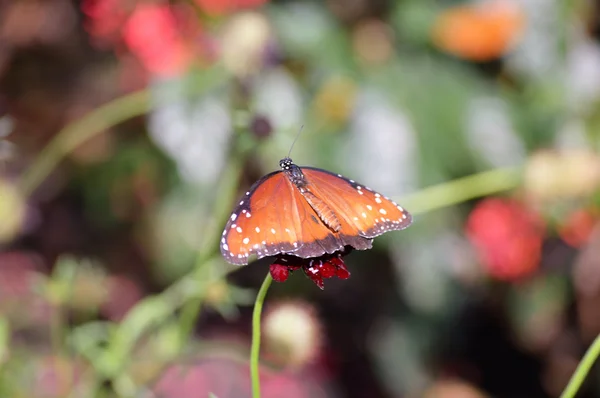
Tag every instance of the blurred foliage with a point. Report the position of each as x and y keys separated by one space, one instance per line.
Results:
x=129 y=129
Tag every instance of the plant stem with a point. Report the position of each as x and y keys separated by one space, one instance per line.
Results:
x=105 y=117
x=462 y=189
x=582 y=370
x=78 y=132
x=255 y=351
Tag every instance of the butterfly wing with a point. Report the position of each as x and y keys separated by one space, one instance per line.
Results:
x=363 y=212
x=273 y=217
x=249 y=229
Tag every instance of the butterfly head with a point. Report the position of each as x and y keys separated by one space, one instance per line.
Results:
x=292 y=171
x=286 y=163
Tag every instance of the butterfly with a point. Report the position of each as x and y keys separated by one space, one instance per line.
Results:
x=307 y=212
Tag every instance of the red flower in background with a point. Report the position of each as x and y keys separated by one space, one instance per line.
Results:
x=316 y=269
x=507 y=236
x=165 y=38
x=151 y=34
x=105 y=18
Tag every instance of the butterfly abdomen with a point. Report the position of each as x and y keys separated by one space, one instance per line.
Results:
x=325 y=213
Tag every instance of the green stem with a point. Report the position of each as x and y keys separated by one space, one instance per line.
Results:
x=462 y=189
x=76 y=133
x=582 y=370
x=225 y=195
x=105 y=117
x=254 y=353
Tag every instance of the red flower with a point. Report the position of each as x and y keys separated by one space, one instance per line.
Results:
x=507 y=237
x=316 y=269
x=105 y=18
x=151 y=34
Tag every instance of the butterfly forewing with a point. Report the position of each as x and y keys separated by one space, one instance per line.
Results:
x=255 y=226
x=366 y=213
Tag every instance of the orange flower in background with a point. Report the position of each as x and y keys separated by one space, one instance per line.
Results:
x=221 y=7
x=479 y=32
x=507 y=237
x=577 y=227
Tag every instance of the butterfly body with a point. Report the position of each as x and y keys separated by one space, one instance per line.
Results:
x=307 y=212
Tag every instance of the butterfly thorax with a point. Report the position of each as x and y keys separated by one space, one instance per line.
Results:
x=325 y=213
x=293 y=172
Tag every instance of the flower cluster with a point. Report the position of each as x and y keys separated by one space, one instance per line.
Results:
x=316 y=269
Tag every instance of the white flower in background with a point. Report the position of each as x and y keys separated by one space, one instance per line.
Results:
x=194 y=134
x=490 y=133
x=292 y=332
x=537 y=55
x=244 y=41
x=583 y=74
x=278 y=97
x=382 y=148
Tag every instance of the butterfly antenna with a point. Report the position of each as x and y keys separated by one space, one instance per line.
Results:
x=295 y=139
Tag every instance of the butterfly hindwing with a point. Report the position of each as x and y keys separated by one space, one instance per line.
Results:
x=366 y=213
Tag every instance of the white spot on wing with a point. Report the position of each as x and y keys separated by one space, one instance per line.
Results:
x=273 y=230
x=246 y=240
x=239 y=229
x=364 y=214
x=233 y=217
x=382 y=211
x=369 y=207
x=257 y=229
x=225 y=247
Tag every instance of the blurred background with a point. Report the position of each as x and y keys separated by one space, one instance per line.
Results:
x=129 y=129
